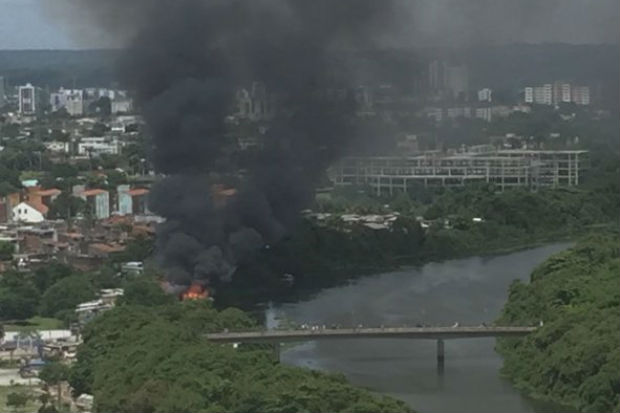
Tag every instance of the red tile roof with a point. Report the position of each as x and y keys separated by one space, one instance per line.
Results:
x=43 y=209
x=138 y=192
x=93 y=192
x=48 y=192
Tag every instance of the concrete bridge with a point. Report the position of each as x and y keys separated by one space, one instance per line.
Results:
x=277 y=337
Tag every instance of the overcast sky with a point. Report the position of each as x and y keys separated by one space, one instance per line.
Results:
x=27 y=24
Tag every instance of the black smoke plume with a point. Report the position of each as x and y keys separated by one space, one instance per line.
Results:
x=185 y=59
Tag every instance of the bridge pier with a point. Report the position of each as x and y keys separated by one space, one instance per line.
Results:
x=276 y=352
x=440 y=354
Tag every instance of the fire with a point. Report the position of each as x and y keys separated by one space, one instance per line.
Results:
x=195 y=292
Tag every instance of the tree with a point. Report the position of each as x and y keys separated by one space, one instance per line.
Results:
x=573 y=359
x=17 y=400
x=53 y=374
x=66 y=206
x=144 y=291
x=50 y=274
x=137 y=358
x=66 y=294
x=6 y=250
x=18 y=297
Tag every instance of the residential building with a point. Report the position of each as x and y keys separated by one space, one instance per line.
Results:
x=97 y=146
x=72 y=100
x=29 y=213
x=580 y=95
x=457 y=80
x=2 y=92
x=485 y=95
x=132 y=201
x=256 y=103
x=121 y=105
x=97 y=201
x=27 y=100
x=57 y=147
x=556 y=93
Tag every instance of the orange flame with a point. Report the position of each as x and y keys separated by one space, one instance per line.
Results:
x=195 y=292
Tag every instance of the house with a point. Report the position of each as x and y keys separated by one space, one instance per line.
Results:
x=101 y=250
x=30 y=213
x=107 y=300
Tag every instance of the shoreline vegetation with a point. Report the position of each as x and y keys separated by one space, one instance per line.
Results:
x=574 y=358
x=428 y=227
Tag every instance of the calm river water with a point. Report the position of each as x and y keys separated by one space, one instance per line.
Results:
x=469 y=291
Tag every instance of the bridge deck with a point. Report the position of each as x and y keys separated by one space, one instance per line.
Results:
x=273 y=336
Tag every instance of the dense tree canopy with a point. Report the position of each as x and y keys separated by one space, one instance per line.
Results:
x=153 y=359
x=19 y=298
x=574 y=358
x=66 y=294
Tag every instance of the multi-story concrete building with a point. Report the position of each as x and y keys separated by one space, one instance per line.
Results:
x=504 y=168
x=485 y=95
x=256 y=103
x=580 y=95
x=556 y=93
x=96 y=146
x=2 y=92
x=132 y=201
x=70 y=99
x=97 y=200
x=27 y=99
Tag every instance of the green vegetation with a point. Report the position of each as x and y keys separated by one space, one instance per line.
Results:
x=574 y=359
x=7 y=393
x=6 y=250
x=46 y=297
x=54 y=374
x=153 y=359
x=17 y=401
x=327 y=252
x=35 y=323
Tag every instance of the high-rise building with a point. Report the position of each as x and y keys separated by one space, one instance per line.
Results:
x=542 y=95
x=436 y=75
x=580 y=95
x=2 y=98
x=485 y=95
x=27 y=100
x=457 y=80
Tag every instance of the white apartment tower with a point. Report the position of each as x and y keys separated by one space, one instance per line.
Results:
x=27 y=100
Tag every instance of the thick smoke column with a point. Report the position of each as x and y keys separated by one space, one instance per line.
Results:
x=185 y=59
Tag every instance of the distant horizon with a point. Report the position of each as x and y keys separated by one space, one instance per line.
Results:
x=89 y=49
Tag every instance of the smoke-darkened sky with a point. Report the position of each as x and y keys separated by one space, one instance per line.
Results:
x=32 y=24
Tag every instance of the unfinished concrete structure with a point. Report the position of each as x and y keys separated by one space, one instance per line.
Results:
x=504 y=168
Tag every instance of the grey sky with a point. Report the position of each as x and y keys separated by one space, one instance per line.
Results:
x=28 y=24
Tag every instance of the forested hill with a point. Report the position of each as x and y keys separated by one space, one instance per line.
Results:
x=574 y=359
x=139 y=358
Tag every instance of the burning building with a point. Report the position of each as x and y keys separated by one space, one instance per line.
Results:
x=195 y=292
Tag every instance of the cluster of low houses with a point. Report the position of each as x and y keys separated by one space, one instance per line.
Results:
x=372 y=221
x=377 y=222
x=85 y=247
x=32 y=205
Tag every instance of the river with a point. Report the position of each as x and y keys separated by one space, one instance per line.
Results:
x=468 y=291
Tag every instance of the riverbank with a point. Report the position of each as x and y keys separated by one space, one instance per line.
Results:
x=573 y=359
x=328 y=258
